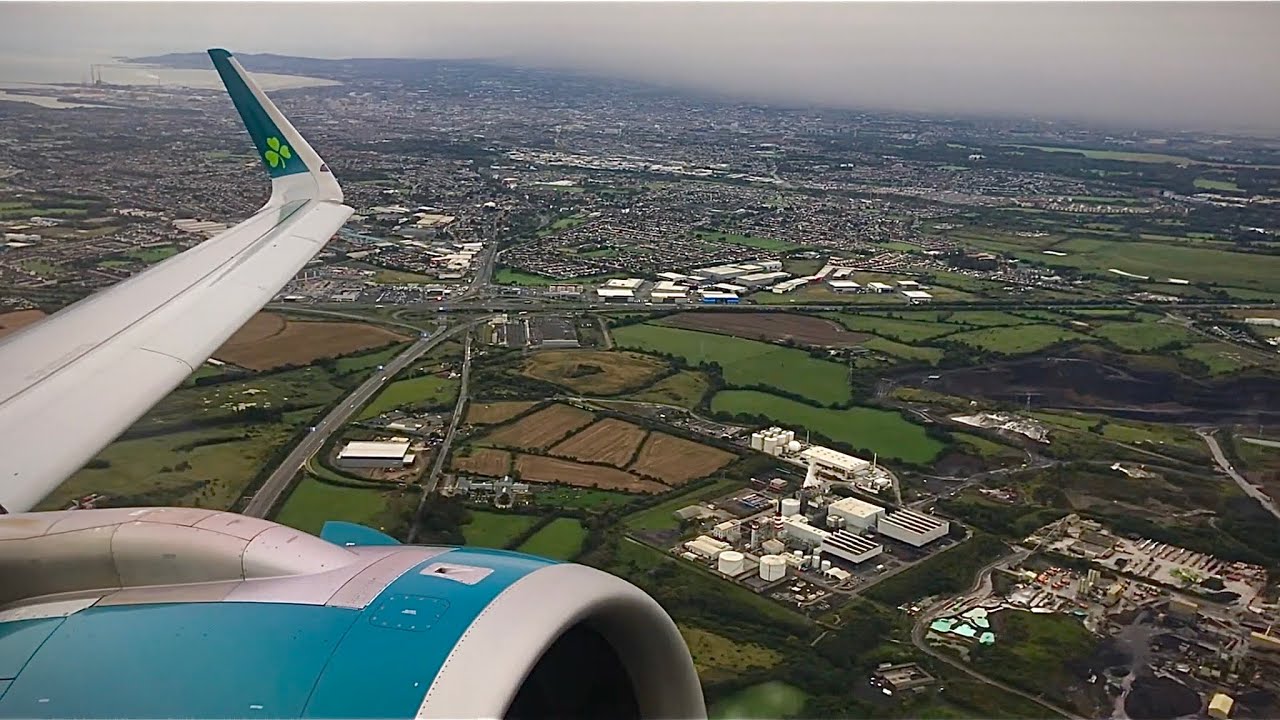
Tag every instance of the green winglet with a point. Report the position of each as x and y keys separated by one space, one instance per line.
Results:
x=272 y=145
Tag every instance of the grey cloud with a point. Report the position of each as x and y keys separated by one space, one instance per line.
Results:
x=1207 y=65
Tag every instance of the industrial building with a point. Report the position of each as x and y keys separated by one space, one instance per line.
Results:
x=917 y=296
x=1264 y=642
x=718 y=298
x=798 y=529
x=757 y=280
x=911 y=527
x=879 y=287
x=844 y=286
x=833 y=465
x=787 y=286
x=729 y=531
x=707 y=547
x=850 y=547
x=668 y=291
x=855 y=513
x=376 y=454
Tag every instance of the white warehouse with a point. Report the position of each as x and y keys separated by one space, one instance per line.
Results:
x=912 y=528
x=852 y=548
x=799 y=529
x=707 y=547
x=856 y=513
x=835 y=465
x=376 y=454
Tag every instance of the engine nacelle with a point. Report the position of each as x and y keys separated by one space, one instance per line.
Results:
x=178 y=612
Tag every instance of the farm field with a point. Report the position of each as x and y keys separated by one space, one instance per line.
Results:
x=313 y=503
x=769 y=327
x=684 y=389
x=1220 y=358
x=541 y=429
x=536 y=468
x=1121 y=155
x=902 y=329
x=419 y=392
x=571 y=497
x=608 y=441
x=561 y=539
x=1144 y=335
x=209 y=468
x=676 y=461
x=1159 y=261
x=1018 y=339
x=12 y=322
x=495 y=529
x=745 y=362
x=270 y=340
x=483 y=461
x=495 y=412
x=868 y=429
x=662 y=517
x=594 y=372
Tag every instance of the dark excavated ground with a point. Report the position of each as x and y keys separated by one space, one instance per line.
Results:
x=1114 y=386
x=1159 y=698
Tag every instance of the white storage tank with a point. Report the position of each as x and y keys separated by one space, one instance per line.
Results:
x=826 y=565
x=772 y=567
x=816 y=562
x=790 y=506
x=789 y=436
x=731 y=562
x=770 y=445
x=757 y=440
x=793 y=446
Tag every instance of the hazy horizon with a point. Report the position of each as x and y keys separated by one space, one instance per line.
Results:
x=1208 y=66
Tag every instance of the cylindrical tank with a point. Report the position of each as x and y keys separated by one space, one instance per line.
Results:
x=730 y=562
x=826 y=565
x=789 y=436
x=772 y=567
x=790 y=506
x=817 y=561
x=833 y=521
x=772 y=444
x=755 y=535
x=757 y=440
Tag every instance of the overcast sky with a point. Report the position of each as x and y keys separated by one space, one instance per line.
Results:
x=1195 y=65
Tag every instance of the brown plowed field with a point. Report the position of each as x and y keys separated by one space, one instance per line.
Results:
x=269 y=340
x=609 y=441
x=676 y=461
x=484 y=461
x=496 y=412
x=12 y=322
x=770 y=327
x=541 y=429
x=535 y=468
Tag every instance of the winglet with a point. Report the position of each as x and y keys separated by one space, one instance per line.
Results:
x=296 y=171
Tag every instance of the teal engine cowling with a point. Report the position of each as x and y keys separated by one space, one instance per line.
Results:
x=180 y=612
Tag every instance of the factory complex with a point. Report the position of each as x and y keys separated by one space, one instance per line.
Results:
x=392 y=453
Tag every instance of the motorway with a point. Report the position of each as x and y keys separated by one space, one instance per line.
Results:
x=269 y=494
x=1249 y=488
x=433 y=477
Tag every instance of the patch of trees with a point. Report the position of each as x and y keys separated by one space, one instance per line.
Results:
x=950 y=571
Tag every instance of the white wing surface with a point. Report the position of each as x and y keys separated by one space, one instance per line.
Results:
x=73 y=382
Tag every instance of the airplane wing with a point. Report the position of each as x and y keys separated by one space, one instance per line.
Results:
x=70 y=384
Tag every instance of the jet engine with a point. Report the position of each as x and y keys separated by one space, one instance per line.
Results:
x=181 y=612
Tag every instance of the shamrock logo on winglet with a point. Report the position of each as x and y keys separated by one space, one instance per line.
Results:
x=278 y=153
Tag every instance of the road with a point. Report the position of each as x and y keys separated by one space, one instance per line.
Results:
x=1249 y=489
x=303 y=310
x=442 y=453
x=927 y=616
x=269 y=494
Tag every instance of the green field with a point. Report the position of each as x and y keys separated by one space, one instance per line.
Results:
x=367 y=361
x=509 y=276
x=495 y=529
x=749 y=240
x=745 y=362
x=399 y=277
x=1211 y=184
x=1160 y=261
x=152 y=255
x=1219 y=357
x=420 y=392
x=684 y=389
x=922 y=353
x=205 y=468
x=1143 y=336
x=905 y=330
x=1032 y=651
x=572 y=497
x=313 y=503
x=1018 y=339
x=560 y=540
x=1121 y=155
x=661 y=516
x=880 y=431
x=764 y=701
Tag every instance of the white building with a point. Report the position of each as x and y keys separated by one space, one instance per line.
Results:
x=609 y=294
x=879 y=287
x=911 y=527
x=799 y=530
x=625 y=283
x=856 y=513
x=833 y=464
x=729 y=530
x=376 y=454
x=844 y=286
x=706 y=547
x=787 y=286
x=850 y=547
x=730 y=288
x=917 y=296
x=763 y=279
